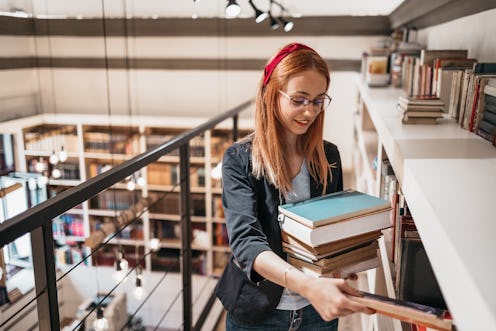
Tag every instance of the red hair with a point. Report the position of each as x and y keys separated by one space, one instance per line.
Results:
x=269 y=156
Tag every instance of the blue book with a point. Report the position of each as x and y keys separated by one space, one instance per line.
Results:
x=335 y=216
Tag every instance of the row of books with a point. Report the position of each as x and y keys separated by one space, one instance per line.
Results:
x=50 y=143
x=106 y=142
x=337 y=234
x=68 y=225
x=486 y=126
x=196 y=145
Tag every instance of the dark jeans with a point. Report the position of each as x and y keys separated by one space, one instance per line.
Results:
x=306 y=319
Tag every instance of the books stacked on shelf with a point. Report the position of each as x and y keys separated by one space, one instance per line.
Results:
x=487 y=125
x=406 y=52
x=420 y=109
x=415 y=280
x=473 y=94
x=335 y=234
x=437 y=73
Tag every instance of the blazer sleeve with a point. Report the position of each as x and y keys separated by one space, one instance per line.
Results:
x=239 y=200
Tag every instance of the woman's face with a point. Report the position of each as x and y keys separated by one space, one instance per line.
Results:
x=296 y=114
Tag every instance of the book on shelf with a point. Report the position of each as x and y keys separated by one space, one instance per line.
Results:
x=428 y=56
x=423 y=120
x=421 y=103
x=448 y=77
x=416 y=279
x=407 y=311
x=321 y=220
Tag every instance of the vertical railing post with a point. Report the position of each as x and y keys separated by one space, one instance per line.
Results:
x=186 y=260
x=45 y=277
x=235 y=128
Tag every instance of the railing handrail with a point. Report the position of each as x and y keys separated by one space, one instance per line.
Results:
x=44 y=212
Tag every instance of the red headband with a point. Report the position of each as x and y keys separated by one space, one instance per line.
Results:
x=278 y=58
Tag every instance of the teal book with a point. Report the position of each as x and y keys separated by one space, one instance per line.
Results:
x=335 y=216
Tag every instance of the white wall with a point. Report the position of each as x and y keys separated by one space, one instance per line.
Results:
x=477 y=33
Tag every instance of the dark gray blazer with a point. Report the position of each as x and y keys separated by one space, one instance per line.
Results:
x=250 y=206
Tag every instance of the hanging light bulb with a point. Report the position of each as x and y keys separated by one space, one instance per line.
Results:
x=232 y=9
x=56 y=173
x=154 y=244
x=39 y=166
x=100 y=323
x=54 y=159
x=139 y=291
x=141 y=182
x=62 y=154
x=121 y=267
x=131 y=185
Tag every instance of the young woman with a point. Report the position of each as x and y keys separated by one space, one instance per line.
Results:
x=284 y=160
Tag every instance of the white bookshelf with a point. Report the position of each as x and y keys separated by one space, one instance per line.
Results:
x=448 y=177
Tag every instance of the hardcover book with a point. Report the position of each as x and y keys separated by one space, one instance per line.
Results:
x=334 y=216
x=406 y=311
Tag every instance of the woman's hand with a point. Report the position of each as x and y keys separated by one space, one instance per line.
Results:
x=327 y=295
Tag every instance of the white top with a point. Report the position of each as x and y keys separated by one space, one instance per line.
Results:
x=448 y=177
x=300 y=191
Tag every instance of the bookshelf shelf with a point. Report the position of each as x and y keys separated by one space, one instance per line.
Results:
x=447 y=176
x=97 y=143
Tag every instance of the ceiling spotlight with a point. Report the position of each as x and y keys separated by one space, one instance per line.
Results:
x=259 y=15
x=288 y=25
x=232 y=9
x=273 y=23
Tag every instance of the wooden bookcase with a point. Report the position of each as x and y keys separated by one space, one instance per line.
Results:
x=447 y=177
x=97 y=143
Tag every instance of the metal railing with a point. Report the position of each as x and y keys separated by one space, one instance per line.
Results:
x=38 y=221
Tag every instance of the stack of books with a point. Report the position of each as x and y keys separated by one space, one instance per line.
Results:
x=487 y=125
x=420 y=109
x=335 y=234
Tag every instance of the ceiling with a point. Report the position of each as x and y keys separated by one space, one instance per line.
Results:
x=198 y=8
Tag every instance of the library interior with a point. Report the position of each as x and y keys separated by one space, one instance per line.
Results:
x=115 y=116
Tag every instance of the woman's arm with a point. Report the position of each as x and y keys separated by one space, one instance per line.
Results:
x=325 y=294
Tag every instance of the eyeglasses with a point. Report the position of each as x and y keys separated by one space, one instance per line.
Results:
x=299 y=103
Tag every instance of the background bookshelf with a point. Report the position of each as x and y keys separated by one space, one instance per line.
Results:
x=446 y=176
x=92 y=148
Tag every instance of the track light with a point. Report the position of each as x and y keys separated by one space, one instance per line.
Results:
x=273 y=23
x=288 y=25
x=259 y=15
x=232 y=8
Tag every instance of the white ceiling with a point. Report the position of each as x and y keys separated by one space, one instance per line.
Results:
x=200 y=8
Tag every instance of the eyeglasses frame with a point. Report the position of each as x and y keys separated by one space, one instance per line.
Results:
x=307 y=101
